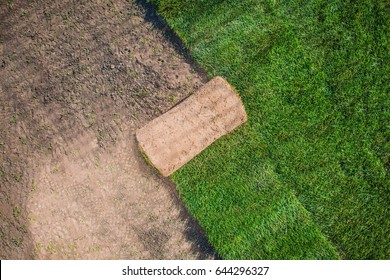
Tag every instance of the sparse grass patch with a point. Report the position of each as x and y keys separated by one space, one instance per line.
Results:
x=17 y=177
x=47 y=14
x=17 y=241
x=141 y=93
x=32 y=218
x=10 y=4
x=16 y=211
x=52 y=247
x=33 y=187
x=72 y=247
x=44 y=127
x=13 y=120
x=94 y=249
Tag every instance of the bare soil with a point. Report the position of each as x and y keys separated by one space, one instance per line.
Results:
x=77 y=79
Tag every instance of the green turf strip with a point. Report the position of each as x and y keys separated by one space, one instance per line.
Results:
x=308 y=176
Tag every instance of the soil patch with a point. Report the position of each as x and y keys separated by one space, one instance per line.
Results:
x=77 y=79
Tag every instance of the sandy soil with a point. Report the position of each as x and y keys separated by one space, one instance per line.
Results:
x=77 y=79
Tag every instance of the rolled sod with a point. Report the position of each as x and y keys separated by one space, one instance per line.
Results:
x=174 y=138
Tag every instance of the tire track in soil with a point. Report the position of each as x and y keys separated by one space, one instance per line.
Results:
x=77 y=79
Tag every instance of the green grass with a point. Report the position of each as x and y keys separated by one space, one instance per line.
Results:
x=308 y=176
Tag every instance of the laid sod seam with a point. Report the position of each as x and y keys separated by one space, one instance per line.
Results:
x=246 y=220
x=314 y=157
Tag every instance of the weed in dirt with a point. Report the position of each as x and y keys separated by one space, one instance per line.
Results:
x=72 y=246
x=16 y=212
x=17 y=177
x=65 y=18
x=55 y=170
x=33 y=187
x=52 y=247
x=13 y=120
x=173 y=98
x=22 y=229
x=39 y=246
x=49 y=147
x=47 y=14
x=141 y=93
x=91 y=116
x=94 y=249
x=32 y=218
x=17 y=241
x=122 y=128
x=10 y=4
x=23 y=14
x=22 y=140
x=152 y=217
x=44 y=127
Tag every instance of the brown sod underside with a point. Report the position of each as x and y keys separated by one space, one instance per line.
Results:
x=174 y=138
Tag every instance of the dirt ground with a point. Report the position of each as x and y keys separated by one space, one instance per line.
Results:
x=77 y=78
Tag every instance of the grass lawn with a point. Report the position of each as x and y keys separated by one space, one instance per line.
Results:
x=308 y=176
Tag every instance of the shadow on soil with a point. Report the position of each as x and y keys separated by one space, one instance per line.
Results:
x=194 y=231
x=160 y=24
